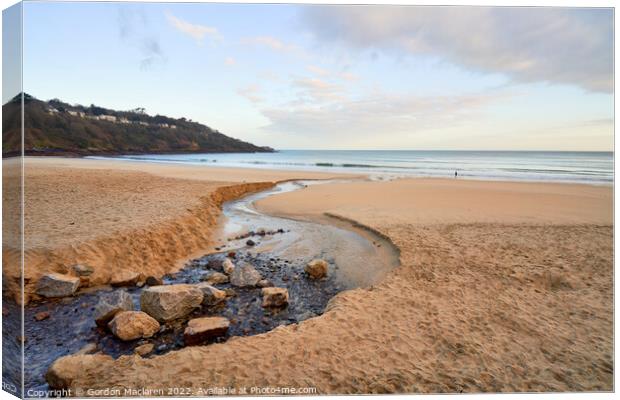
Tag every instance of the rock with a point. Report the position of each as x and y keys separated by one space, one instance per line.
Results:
x=169 y=302
x=83 y=270
x=200 y=329
x=63 y=371
x=216 y=278
x=250 y=242
x=316 y=269
x=131 y=325
x=154 y=281
x=274 y=297
x=228 y=267
x=57 y=285
x=144 y=349
x=110 y=305
x=245 y=275
x=125 y=278
x=90 y=348
x=230 y=292
x=40 y=316
x=263 y=283
x=211 y=295
x=215 y=264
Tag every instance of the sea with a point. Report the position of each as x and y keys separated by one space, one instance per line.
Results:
x=544 y=166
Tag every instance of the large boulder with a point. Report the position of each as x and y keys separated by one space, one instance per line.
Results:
x=111 y=304
x=57 y=285
x=317 y=269
x=124 y=278
x=211 y=295
x=228 y=267
x=274 y=297
x=131 y=325
x=169 y=302
x=200 y=329
x=245 y=275
x=63 y=371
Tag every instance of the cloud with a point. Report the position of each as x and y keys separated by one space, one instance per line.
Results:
x=378 y=117
x=271 y=42
x=315 y=90
x=195 y=31
x=556 y=45
x=230 y=61
x=251 y=93
x=324 y=73
x=348 y=76
x=317 y=70
x=133 y=29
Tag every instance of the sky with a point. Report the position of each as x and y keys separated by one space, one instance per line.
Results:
x=337 y=77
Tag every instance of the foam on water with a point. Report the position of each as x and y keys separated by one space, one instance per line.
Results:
x=578 y=167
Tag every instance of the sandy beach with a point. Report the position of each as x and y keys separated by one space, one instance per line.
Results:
x=502 y=286
x=116 y=216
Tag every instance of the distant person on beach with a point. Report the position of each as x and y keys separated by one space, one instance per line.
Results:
x=456 y=174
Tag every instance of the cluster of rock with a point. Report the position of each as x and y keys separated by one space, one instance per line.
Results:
x=160 y=303
x=161 y=307
x=52 y=285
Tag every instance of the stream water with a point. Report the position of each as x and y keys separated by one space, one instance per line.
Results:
x=278 y=248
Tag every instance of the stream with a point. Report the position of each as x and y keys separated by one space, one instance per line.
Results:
x=279 y=248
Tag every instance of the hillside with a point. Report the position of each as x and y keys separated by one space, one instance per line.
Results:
x=58 y=128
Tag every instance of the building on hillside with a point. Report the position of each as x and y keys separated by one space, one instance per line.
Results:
x=104 y=117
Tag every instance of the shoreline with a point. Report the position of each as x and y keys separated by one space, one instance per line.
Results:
x=337 y=171
x=469 y=309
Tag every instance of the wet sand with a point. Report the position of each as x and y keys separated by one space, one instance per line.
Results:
x=502 y=287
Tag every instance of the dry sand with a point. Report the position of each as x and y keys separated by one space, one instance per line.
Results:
x=115 y=215
x=502 y=287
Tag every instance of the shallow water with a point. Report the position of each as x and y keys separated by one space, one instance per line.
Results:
x=552 y=166
x=281 y=249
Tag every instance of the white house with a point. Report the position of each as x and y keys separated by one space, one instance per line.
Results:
x=104 y=117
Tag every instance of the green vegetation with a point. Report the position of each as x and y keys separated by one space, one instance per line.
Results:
x=58 y=128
